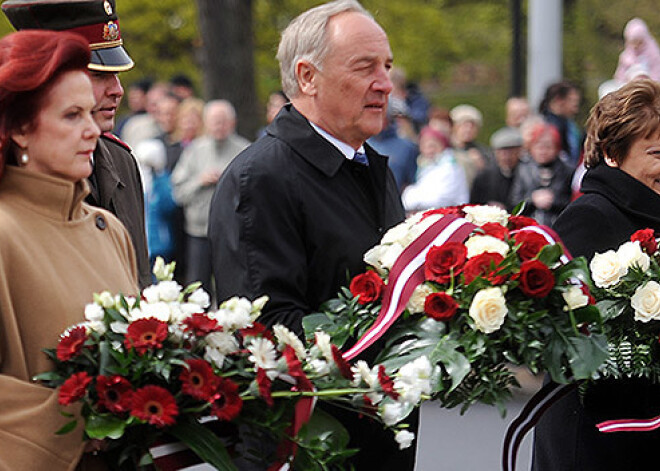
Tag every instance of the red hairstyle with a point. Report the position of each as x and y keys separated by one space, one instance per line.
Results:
x=540 y=129
x=30 y=63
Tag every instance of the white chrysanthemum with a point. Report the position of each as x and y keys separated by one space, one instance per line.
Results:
x=391 y=413
x=320 y=367
x=575 y=298
x=606 y=269
x=324 y=344
x=105 y=299
x=646 y=302
x=362 y=374
x=169 y=291
x=200 y=297
x=214 y=356
x=94 y=312
x=488 y=309
x=480 y=215
x=478 y=244
x=404 y=438
x=631 y=254
x=416 y=302
x=263 y=353
x=286 y=337
x=224 y=342
x=414 y=379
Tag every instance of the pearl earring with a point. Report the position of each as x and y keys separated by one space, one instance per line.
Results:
x=24 y=158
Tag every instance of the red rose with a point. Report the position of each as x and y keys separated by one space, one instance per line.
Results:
x=198 y=380
x=530 y=243
x=444 y=261
x=155 y=405
x=72 y=343
x=440 y=306
x=115 y=393
x=496 y=230
x=457 y=210
x=536 y=279
x=484 y=265
x=74 y=388
x=367 y=287
x=646 y=239
x=518 y=222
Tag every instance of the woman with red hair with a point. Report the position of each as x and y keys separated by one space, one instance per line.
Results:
x=543 y=181
x=55 y=250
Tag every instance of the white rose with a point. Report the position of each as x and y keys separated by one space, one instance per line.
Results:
x=479 y=244
x=606 y=269
x=404 y=438
x=416 y=302
x=200 y=297
x=646 y=302
x=631 y=253
x=575 y=298
x=488 y=309
x=397 y=234
x=480 y=215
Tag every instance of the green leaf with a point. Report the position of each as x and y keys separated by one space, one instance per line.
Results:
x=204 y=443
x=67 y=428
x=587 y=314
x=576 y=268
x=550 y=254
x=589 y=352
x=612 y=308
x=322 y=425
x=100 y=426
x=457 y=366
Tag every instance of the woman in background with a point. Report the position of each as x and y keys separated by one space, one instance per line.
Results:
x=55 y=250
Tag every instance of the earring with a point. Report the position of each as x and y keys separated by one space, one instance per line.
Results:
x=24 y=158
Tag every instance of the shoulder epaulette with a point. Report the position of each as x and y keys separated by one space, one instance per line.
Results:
x=116 y=140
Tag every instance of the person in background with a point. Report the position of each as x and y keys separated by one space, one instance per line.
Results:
x=166 y=116
x=472 y=156
x=621 y=195
x=543 y=182
x=190 y=121
x=559 y=107
x=276 y=101
x=517 y=111
x=194 y=179
x=640 y=54
x=492 y=185
x=56 y=251
x=440 y=179
x=440 y=119
x=115 y=179
x=136 y=101
x=402 y=153
x=145 y=126
x=182 y=87
x=293 y=214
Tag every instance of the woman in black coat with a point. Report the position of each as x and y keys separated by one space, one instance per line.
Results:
x=621 y=195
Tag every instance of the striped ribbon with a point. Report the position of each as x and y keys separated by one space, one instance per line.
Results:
x=407 y=273
x=629 y=425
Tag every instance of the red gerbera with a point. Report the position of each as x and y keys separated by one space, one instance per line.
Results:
x=74 y=388
x=199 y=380
x=295 y=369
x=71 y=344
x=154 y=405
x=264 y=383
x=257 y=330
x=115 y=393
x=386 y=383
x=201 y=325
x=228 y=403
x=146 y=334
x=342 y=364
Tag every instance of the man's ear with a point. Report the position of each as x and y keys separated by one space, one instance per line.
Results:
x=306 y=75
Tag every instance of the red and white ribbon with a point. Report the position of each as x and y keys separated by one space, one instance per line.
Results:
x=407 y=273
x=629 y=425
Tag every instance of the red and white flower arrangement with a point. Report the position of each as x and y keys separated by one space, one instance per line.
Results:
x=487 y=290
x=159 y=365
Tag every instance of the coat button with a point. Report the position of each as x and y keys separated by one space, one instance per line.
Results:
x=100 y=222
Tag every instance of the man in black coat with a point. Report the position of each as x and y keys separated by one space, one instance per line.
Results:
x=115 y=181
x=294 y=213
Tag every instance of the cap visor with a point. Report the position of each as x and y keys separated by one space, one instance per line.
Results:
x=111 y=59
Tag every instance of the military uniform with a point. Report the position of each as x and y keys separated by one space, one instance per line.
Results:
x=115 y=180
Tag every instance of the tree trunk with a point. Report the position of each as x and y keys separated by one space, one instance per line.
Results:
x=228 y=58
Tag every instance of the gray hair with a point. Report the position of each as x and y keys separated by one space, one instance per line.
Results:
x=305 y=38
x=228 y=108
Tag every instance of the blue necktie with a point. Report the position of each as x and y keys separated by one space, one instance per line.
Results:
x=361 y=158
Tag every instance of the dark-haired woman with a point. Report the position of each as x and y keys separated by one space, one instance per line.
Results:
x=621 y=195
x=55 y=250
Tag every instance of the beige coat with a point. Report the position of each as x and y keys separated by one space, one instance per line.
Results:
x=55 y=252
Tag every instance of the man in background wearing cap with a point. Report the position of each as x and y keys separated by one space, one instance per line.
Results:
x=493 y=184
x=115 y=181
